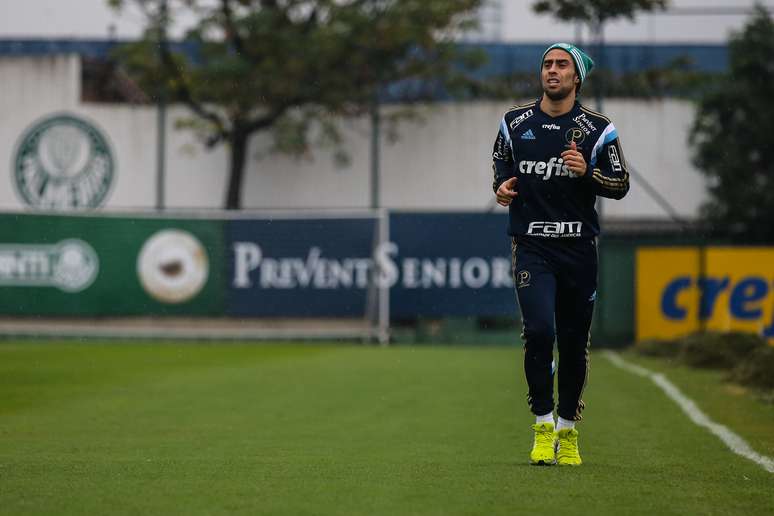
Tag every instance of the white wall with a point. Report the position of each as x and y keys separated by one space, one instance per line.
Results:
x=443 y=162
x=654 y=135
x=30 y=89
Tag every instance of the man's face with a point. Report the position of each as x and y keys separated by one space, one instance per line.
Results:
x=558 y=75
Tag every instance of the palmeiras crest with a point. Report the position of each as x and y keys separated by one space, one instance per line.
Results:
x=63 y=162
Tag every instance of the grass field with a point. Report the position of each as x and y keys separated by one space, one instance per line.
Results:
x=132 y=428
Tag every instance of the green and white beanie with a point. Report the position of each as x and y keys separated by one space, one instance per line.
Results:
x=583 y=63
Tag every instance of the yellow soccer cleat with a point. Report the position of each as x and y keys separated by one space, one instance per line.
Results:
x=567 y=453
x=543 y=452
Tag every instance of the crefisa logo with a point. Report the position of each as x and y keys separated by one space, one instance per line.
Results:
x=63 y=162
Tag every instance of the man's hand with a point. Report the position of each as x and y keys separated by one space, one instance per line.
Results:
x=506 y=192
x=574 y=160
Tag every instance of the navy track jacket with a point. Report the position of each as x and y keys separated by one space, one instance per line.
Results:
x=553 y=202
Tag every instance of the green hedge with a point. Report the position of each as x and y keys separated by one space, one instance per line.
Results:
x=747 y=358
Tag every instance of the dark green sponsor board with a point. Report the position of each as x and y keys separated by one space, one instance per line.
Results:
x=90 y=266
x=438 y=265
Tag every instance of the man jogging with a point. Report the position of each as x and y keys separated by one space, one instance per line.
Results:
x=552 y=158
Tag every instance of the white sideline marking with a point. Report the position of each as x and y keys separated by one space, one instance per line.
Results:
x=734 y=442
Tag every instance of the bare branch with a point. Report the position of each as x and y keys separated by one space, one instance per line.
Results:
x=267 y=120
x=232 y=32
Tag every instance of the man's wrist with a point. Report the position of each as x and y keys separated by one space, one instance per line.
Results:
x=496 y=186
x=589 y=173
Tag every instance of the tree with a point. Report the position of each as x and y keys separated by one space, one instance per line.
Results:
x=731 y=138
x=290 y=65
x=594 y=14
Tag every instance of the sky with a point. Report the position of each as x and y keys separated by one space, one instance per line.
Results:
x=94 y=19
x=661 y=27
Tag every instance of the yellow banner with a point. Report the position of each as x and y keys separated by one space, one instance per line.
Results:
x=736 y=292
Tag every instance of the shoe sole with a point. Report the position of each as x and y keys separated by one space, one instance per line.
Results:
x=542 y=463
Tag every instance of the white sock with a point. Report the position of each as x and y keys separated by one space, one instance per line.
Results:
x=564 y=423
x=547 y=418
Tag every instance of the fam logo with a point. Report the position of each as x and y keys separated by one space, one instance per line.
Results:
x=172 y=266
x=70 y=265
x=615 y=161
x=519 y=119
x=555 y=229
x=575 y=134
x=63 y=162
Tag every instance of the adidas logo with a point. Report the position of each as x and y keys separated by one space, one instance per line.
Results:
x=528 y=135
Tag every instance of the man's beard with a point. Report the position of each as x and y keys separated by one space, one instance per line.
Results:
x=560 y=94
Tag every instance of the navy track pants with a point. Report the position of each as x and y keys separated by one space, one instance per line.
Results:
x=556 y=285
